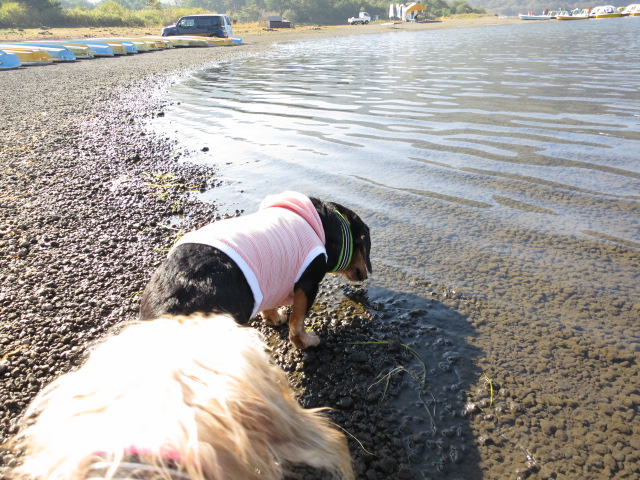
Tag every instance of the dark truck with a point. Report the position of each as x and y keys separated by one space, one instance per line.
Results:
x=204 y=25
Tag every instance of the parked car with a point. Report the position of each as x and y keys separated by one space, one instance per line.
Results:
x=204 y=25
x=361 y=19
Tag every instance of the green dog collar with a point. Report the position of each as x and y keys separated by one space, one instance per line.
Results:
x=346 y=249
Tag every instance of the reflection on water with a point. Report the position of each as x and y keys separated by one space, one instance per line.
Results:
x=501 y=161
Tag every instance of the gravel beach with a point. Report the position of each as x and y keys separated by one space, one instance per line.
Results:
x=89 y=203
x=87 y=200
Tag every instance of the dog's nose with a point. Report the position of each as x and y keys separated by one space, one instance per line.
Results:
x=361 y=275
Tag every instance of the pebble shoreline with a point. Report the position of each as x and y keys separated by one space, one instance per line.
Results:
x=86 y=208
x=88 y=203
x=80 y=215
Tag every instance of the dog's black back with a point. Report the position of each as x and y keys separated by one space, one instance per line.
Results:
x=198 y=278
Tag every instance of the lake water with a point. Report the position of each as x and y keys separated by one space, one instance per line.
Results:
x=500 y=162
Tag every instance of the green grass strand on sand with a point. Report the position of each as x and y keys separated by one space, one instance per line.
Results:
x=490 y=382
x=420 y=378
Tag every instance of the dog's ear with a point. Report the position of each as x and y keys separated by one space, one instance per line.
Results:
x=360 y=232
x=364 y=240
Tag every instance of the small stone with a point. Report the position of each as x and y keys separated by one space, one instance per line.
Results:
x=346 y=402
x=359 y=357
x=547 y=427
x=388 y=465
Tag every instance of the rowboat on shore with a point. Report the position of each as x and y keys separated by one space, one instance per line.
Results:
x=181 y=41
x=80 y=51
x=98 y=49
x=117 y=48
x=28 y=55
x=605 y=11
x=9 y=60
x=129 y=45
x=40 y=52
x=145 y=45
x=58 y=53
x=200 y=41
x=161 y=43
x=188 y=41
x=141 y=44
x=218 y=42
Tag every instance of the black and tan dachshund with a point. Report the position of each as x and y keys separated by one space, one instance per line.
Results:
x=260 y=262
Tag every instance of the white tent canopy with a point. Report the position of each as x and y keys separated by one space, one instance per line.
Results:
x=409 y=10
x=405 y=11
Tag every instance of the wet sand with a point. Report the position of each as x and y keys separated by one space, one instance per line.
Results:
x=432 y=383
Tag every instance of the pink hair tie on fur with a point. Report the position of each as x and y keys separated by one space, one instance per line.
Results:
x=165 y=452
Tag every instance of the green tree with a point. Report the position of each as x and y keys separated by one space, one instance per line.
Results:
x=437 y=8
x=84 y=4
x=279 y=6
x=111 y=7
x=218 y=6
x=41 y=4
x=251 y=12
x=129 y=4
x=461 y=6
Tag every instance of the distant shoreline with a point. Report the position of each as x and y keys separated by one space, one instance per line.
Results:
x=254 y=34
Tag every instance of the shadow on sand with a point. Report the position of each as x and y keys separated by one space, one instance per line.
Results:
x=396 y=369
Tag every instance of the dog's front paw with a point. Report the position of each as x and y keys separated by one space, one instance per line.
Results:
x=307 y=339
x=275 y=317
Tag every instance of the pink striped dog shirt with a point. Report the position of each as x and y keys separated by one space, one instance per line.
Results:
x=272 y=247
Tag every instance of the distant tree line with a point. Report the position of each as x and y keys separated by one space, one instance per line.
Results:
x=30 y=13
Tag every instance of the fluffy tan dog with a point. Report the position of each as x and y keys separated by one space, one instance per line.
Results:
x=176 y=398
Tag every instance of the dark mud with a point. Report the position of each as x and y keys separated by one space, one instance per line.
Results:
x=426 y=382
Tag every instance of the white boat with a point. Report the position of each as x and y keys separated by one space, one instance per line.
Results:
x=605 y=11
x=531 y=16
x=576 y=14
x=632 y=10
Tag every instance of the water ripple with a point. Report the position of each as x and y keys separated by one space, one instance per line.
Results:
x=473 y=135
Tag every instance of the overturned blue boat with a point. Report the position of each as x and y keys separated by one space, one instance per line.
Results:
x=99 y=49
x=9 y=60
x=58 y=53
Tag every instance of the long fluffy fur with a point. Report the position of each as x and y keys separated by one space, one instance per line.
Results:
x=199 y=390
